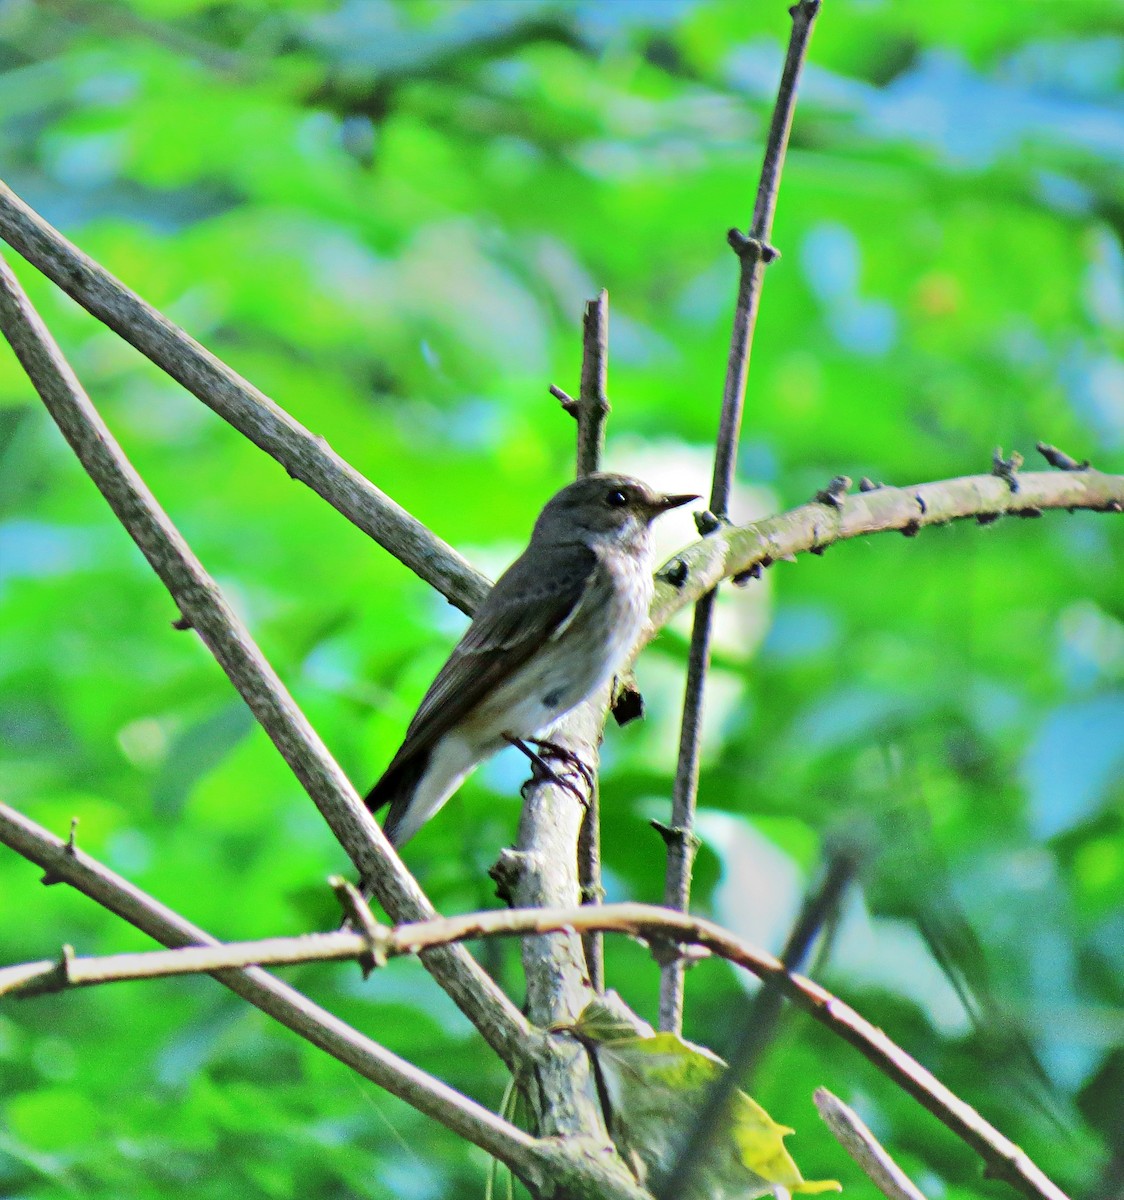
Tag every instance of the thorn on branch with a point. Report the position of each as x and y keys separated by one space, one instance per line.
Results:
x=911 y=528
x=818 y=551
x=628 y=705
x=676 y=835
x=866 y=484
x=742 y=578
x=707 y=522
x=1114 y=506
x=752 y=248
x=675 y=573
x=1059 y=458
x=49 y=878
x=569 y=404
x=1007 y=468
x=181 y=622
x=835 y=492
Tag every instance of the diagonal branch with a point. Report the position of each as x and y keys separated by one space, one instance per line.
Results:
x=203 y=605
x=754 y=254
x=63 y=861
x=303 y=455
x=851 y=1132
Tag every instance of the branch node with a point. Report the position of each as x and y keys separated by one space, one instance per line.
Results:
x=751 y=248
x=628 y=705
x=1007 y=468
x=66 y=960
x=359 y=916
x=675 y=573
x=707 y=522
x=1059 y=458
x=569 y=404
x=866 y=484
x=506 y=873
x=49 y=878
x=1029 y=511
x=987 y=518
x=911 y=528
x=921 y=503
x=677 y=835
x=742 y=578
x=806 y=10
x=835 y=492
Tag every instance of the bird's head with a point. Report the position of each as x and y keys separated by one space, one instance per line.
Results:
x=603 y=507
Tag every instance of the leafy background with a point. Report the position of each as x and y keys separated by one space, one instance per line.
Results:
x=387 y=215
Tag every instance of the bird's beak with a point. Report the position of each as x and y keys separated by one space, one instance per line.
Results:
x=666 y=503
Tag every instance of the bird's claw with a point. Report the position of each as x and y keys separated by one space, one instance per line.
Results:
x=546 y=771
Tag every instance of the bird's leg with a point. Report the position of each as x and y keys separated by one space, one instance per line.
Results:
x=547 y=770
x=553 y=750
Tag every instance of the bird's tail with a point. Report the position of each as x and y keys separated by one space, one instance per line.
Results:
x=396 y=789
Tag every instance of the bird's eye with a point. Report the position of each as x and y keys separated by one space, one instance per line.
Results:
x=616 y=499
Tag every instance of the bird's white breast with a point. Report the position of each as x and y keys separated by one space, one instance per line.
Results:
x=586 y=652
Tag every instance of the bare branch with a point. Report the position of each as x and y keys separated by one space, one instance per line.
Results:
x=592 y=412
x=743 y=551
x=303 y=455
x=201 y=601
x=852 y=1134
x=754 y=254
x=63 y=861
x=593 y=400
x=656 y=926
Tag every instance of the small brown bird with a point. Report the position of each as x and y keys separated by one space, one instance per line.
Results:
x=558 y=624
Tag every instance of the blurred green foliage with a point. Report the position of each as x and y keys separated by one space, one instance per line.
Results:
x=387 y=215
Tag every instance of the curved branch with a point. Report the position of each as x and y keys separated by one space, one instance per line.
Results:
x=659 y=926
x=740 y=551
x=303 y=455
x=205 y=608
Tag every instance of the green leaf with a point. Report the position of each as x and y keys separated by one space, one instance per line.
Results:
x=656 y=1084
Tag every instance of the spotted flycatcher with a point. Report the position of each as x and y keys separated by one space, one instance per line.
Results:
x=558 y=624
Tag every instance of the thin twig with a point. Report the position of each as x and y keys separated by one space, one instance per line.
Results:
x=201 y=601
x=592 y=413
x=853 y=1135
x=64 y=862
x=593 y=399
x=656 y=926
x=762 y=1011
x=754 y=1028
x=303 y=455
x=754 y=254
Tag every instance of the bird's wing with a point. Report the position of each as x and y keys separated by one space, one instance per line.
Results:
x=524 y=610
